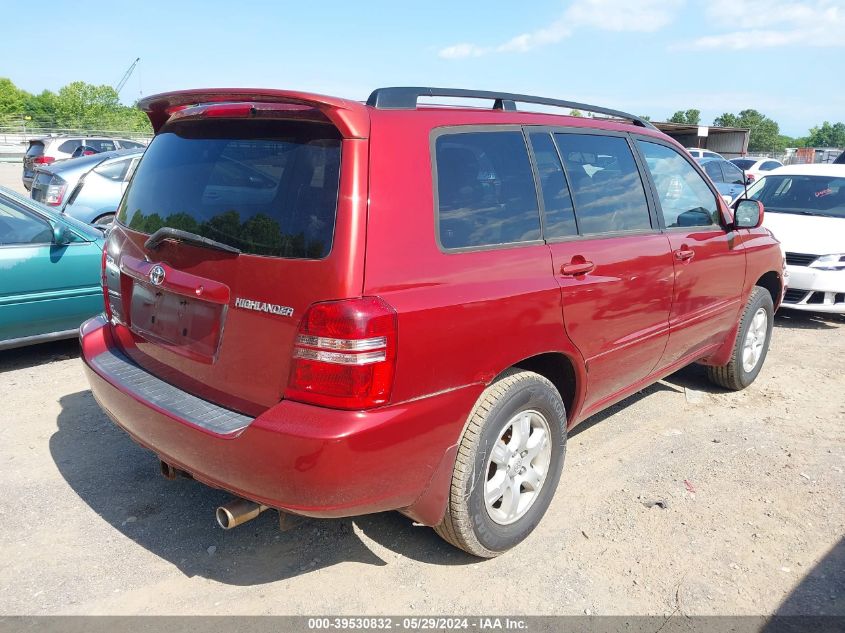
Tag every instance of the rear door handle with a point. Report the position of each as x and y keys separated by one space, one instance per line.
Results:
x=684 y=254
x=579 y=268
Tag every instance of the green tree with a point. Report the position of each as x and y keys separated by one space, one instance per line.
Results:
x=12 y=98
x=827 y=135
x=575 y=113
x=765 y=133
x=688 y=117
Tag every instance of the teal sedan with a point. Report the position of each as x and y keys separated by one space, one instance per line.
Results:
x=49 y=272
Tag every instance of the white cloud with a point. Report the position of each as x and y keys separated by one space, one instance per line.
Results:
x=606 y=15
x=457 y=51
x=818 y=23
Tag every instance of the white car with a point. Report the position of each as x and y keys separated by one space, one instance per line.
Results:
x=756 y=167
x=805 y=209
x=696 y=152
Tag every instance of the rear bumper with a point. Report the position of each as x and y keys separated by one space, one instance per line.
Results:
x=300 y=458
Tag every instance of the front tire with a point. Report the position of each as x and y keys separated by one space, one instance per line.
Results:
x=508 y=465
x=751 y=346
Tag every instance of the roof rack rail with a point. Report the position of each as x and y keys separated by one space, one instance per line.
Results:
x=405 y=98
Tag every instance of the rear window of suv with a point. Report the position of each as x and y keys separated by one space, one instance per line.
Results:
x=265 y=187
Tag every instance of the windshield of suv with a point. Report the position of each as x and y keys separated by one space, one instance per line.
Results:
x=803 y=195
x=743 y=163
x=264 y=187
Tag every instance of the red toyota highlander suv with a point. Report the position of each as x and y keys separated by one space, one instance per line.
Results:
x=333 y=308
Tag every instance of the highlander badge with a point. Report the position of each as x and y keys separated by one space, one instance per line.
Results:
x=260 y=306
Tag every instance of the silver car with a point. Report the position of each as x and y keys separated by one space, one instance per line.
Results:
x=88 y=188
x=46 y=151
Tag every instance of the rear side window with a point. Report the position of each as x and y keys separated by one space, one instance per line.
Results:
x=606 y=185
x=685 y=199
x=485 y=190
x=130 y=145
x=69 y=146
x=558 y=214
x=114 y=170
x=733 y=174
x=769 y=165
x=265 y=187
x=713 y=170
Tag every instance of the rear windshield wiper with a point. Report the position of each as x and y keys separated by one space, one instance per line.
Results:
x=167 y=233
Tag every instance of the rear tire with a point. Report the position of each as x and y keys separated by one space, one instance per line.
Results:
x=508 y=465
x=751 y=346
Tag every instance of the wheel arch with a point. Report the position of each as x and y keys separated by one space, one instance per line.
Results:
x=773 y=282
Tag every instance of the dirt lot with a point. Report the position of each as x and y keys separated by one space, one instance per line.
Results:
x=751 y=516
x=752 y=486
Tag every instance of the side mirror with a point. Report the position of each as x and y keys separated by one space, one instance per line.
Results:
x=60 y=235
x=748 y=214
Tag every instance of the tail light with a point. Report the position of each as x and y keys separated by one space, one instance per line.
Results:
x=345 y=354
x=110 y=278
x=43 y=160
x=55 y=191
x=750 y=178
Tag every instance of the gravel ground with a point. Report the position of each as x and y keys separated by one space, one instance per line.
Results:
x=682 y=499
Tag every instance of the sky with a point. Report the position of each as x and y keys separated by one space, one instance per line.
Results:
x=648 y=57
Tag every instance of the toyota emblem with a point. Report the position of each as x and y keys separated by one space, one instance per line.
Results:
x=156 y=275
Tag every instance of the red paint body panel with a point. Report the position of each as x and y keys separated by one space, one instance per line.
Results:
x=304 y=459
x=463 y=318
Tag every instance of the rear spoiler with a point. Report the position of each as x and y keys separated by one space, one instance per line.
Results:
x=351 y=118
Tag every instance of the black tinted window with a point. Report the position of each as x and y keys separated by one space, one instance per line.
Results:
x=769 y=165
x=130 y=145
x=559 y=217
x=485 y=190
x=265 y=187
x=606 y=185
x=685 y=199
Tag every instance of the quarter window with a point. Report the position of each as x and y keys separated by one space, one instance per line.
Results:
x=485 y=190
x=606 y=186
x=685 y=199
x=558 y=214
x=770 y=165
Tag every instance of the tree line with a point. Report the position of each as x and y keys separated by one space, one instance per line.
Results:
x=86 y=106
x=765 y=133
x=76 y=105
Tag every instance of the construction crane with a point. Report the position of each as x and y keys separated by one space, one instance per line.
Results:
x=126 y=76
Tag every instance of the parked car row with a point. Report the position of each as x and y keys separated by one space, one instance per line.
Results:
x=51 y=149
x=87 y=188
x=332 y=308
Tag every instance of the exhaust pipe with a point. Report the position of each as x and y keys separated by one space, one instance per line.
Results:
x=169 y=471
x=238 y=511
